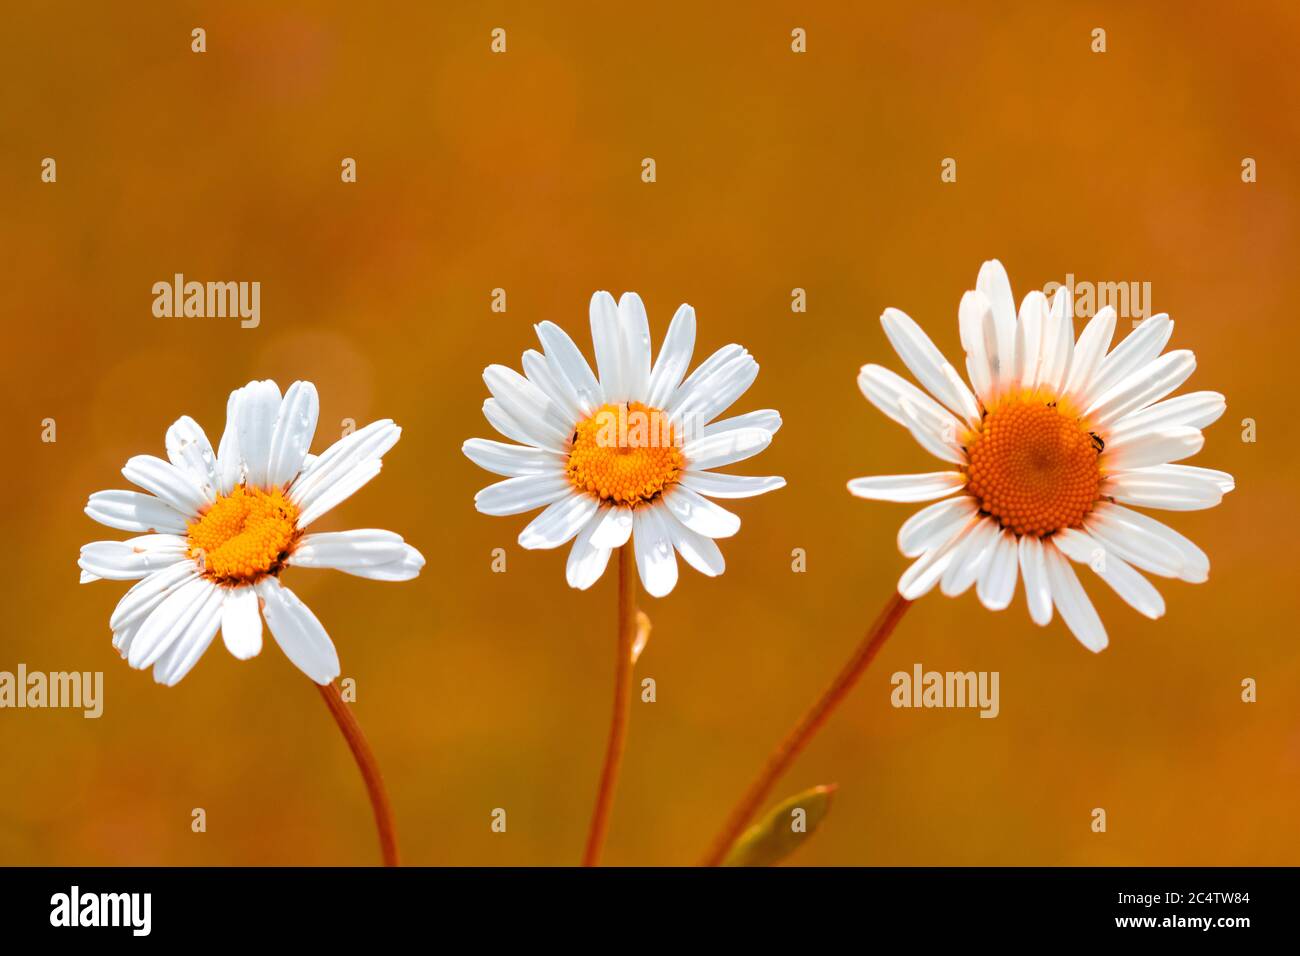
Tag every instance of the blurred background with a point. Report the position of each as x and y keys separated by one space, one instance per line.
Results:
x=522 y=171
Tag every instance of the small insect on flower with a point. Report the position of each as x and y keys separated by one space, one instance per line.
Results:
x=628 y=454
x=1052 y=446
x=217 y=531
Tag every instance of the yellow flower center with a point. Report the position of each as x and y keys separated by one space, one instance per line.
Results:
x=245 y=535
x=1034 y=467
x=627 y=454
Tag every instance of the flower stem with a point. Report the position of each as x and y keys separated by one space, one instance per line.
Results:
x=627 y=629
x=812 y=721
x=369 y=768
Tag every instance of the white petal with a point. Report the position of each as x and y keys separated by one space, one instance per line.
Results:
x=517 y=495
x=259 y=406
x=942 y=445
x=559 y=522
x=1148 y=384
x=528 y=405
x=611 y=527
x=569 y=365
x=298 y=632
x=364 y=552
x=133 y=511
x=887 y=391
x=557 y=390
x=188 y=449
x=133 y=558
x=923 y=359
x=979 y=336
x=701 y=552
x=968 y=558
x=295 y=426
x=586 y=562
x=923 y=487
x=167 y=482
x=719 y=361
x=1090 y=351
x=499 y=419
x=699 y=514
x=512 y=461
x=607 y=340
x=997 y=578
x=1192 y=473
x=229 y=467
x=1057 y=349
x=716 y=485
x=1150 y=544
x=993 y=282
x=343 y=467
x=168 y=621
x=1137 y=349
x=768 y=419
x=1030 y=332
x=704 y=399
x=655 y=559
x=1152 y=448
x=1152 y=488
x=241 y=623
x=934 y=524
x=185 y=651
x=674 y=357
x=1072 y=601
x=1193 y=410
x=634 y=327
x=725 y=448
x=1136 y=590
x=925 y=572
x=147 y=594
x=1033 y=569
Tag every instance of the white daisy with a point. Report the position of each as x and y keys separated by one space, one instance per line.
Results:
x=627 y=454
x=216 y=531
x=1050 y=450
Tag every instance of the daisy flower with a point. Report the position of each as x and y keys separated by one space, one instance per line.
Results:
x=216 y=530
x=626 y=454
x=1049 y=450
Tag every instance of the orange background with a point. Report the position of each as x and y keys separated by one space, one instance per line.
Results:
x=522 y=171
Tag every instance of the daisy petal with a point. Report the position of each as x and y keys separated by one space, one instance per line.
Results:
x=923 y=487
x=934 y=524
x=517 y=495
x=168 y=621
x=1072 y=601
x=133 y=511
x=923 y=359
x=1033 y=569
x=1135 y=590
x=345 y=466
x=526 y=404
x=993 y=282
x=611 y=527
x=997 y=578
x=185 y=651
x=259 y=406
x=298 y=632
x=674 y=357
x=925 y=572
x=559 y=521
x=133 y=558
x=700 y=552
x=511 y=461
x=229 y=468
x=506 y=426
x=1193 y=410
x=699 y=514
x=147 y=594
x=1152 y=448
x=1169 y=491
x=712 y=395
x=1147 y=543
x=587 y=561
x=295 y=426
x=562 y=398
x=364 y=552
x=634 y=327
x=768 y=419
x=189 y=450
x=167 y=482
x=1138 y=349
x=655 y=558
x=942 y=445
x=569 y=365
x=1090 y=351
x=979 y=336
x=715 y=485
x=241 y=623
x=608 y=343
x=1148 y=384
x=725 y=448
x=969 y=557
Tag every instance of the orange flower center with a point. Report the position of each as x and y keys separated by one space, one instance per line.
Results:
x=1034 y=467
x=245 y=535
x=627 y=454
